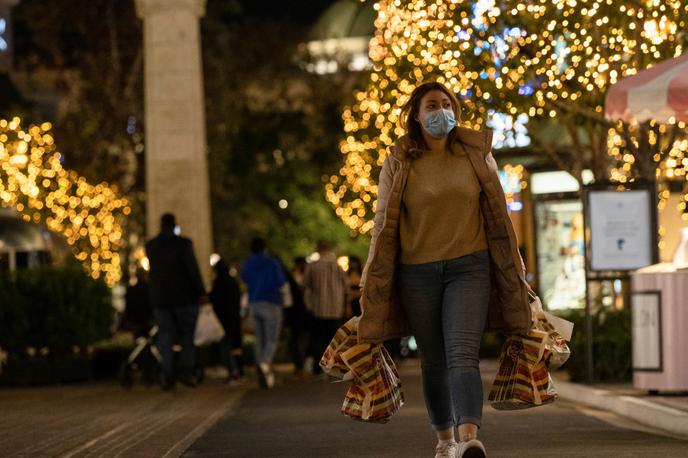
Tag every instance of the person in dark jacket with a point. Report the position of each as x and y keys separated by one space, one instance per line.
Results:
x=265 y=279
x=138 y=314
x=176 y=288
x=296 y=317
x=226 y=299
x=353 y=297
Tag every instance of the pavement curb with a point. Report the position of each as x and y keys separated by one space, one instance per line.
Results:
x=639 y=410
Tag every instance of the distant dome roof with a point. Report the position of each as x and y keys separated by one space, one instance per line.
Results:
x=345 y=19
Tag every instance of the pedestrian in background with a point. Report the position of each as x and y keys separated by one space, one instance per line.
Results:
x=138 y=313
x=296 y=317
x=265 y=279
x=299 y=269
x=353 y=298
x=225 y=296
x=325 y=289
x=176 y=289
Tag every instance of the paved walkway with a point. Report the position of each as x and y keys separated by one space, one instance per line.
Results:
x=296 y=419
x=105 y=421
x=303 y=420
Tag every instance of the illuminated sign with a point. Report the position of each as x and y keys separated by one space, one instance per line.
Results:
x=5 y=38
x=4 y=46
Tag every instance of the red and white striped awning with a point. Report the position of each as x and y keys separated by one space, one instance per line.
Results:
x=659 y=93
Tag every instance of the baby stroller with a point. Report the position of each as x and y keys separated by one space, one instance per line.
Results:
x=144 y=362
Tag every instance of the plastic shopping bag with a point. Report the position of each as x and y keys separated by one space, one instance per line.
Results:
x=554 y=342
x=208 y=327
x=375 y=392
x=558 y=331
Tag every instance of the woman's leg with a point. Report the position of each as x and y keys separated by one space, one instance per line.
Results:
x=421 y=293
x=466 y=297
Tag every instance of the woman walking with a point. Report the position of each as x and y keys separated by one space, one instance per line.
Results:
x=443 y=251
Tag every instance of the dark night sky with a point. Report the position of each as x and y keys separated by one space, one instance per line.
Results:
x=299 y=11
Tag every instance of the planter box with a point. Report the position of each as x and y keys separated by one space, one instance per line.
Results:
x=45 y=370
x=26 y=371
x=107 y=362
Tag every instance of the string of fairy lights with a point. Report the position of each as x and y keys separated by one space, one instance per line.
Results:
x=33 y=181
x=537 y=58
x=586 y=46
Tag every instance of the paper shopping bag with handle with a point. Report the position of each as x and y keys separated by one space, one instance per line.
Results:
x=375 y=392
x=344 y=339
x=523 y=380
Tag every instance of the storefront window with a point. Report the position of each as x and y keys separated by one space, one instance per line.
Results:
x=561 y=257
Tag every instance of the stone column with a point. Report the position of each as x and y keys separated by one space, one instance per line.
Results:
x=176 y=154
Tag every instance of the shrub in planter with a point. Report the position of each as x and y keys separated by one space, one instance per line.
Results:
x=58 y=308
x=612 y=358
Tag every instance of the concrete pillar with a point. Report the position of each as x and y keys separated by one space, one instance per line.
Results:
x=176 y=154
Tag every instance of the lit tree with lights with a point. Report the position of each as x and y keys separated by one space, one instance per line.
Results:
x=572 y=51
x=33 y=181
x=552 y=60
x=448 y=41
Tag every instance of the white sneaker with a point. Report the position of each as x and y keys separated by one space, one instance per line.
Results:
x=268 y=374
x=270 y=379
x=447 y=450
x=472 y=449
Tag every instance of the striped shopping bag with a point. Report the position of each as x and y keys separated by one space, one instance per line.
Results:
x=375 y=392
x=523 y=378
x=344 y=339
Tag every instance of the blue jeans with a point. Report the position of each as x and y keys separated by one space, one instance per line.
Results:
x=176 y=324
x=446 y=305
x=267 y=318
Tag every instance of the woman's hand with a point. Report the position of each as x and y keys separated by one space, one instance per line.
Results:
x=491 y=163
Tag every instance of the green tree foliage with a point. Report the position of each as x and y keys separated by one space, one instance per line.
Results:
x=273 y=132
x=272 y=127
x=80 y=63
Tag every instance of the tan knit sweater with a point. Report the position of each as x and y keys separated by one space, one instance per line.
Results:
x=440 y=216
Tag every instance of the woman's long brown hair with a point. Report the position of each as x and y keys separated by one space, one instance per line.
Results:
x=414 y=129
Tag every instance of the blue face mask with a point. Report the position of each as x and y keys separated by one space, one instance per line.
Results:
x=439 y=123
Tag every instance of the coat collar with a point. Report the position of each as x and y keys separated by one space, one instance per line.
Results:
x=472 y=140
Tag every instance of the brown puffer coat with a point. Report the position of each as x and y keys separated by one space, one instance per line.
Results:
x=383 y=317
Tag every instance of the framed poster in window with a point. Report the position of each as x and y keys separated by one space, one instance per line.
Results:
x=646 y=330
x=620 y=224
